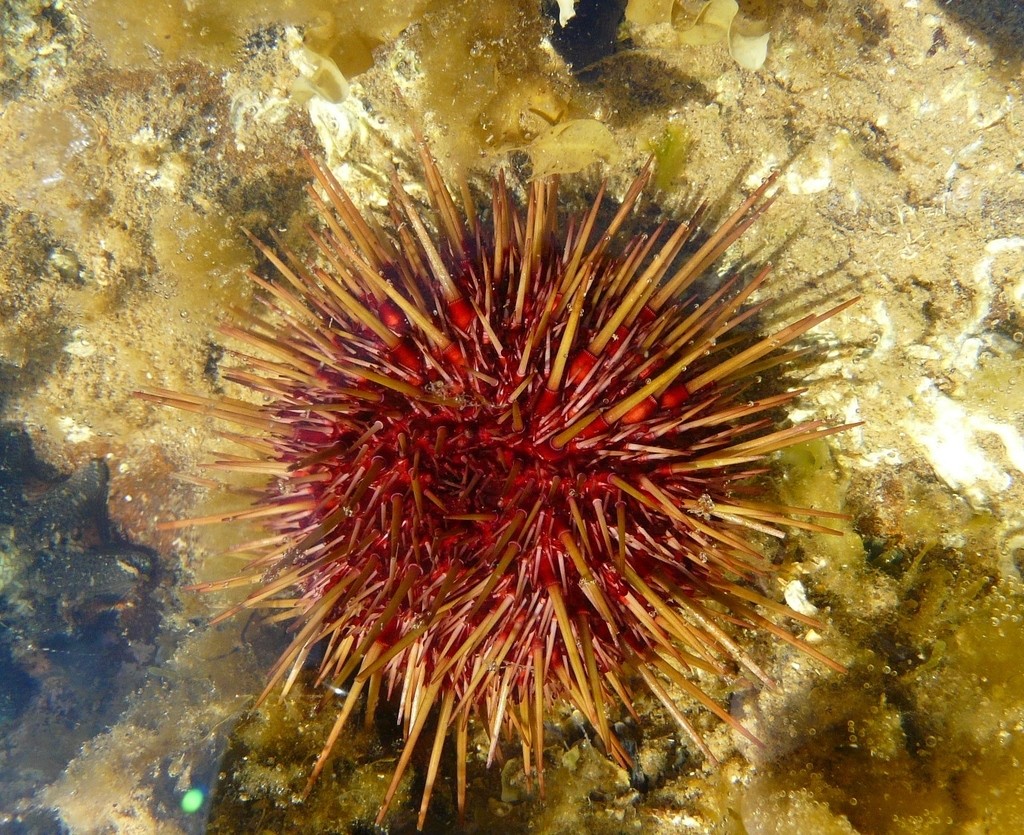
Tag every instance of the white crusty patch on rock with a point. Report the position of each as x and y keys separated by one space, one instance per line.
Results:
x=958 y=443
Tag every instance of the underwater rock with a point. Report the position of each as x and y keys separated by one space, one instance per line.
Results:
x=78 y=615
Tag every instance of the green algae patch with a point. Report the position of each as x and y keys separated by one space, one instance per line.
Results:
x=920 y=737
x=810 y=478
x=671 y=149
x=270 y=758
x=208 y=249
x=216 y=31
x=572 y=146
x=932 y=642
x=488 y=83
x=167 y=29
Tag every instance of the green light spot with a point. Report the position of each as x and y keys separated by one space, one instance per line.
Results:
x=192 y=801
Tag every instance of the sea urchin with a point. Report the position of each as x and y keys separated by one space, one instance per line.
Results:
x=508 y=462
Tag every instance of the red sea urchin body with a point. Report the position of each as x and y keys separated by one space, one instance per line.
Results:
x=506 y=465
